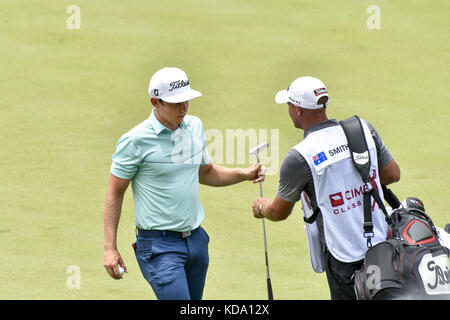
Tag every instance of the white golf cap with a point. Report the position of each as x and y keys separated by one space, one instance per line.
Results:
x=171 y=85
x=304 y=92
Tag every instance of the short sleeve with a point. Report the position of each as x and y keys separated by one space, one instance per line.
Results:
x=384 y=156
x=294 y=176
x=126 y=159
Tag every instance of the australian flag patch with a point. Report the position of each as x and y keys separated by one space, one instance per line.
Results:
x=319 y=158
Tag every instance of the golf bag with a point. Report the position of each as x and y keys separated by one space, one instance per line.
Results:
x=411 y=264
x=395 y=269
x=414 y=226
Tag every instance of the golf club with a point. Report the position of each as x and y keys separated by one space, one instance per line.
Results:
x=255 y=151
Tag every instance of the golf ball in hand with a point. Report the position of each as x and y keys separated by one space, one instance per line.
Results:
x=121 y=271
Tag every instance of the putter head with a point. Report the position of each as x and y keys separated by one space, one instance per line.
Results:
x=259 y=148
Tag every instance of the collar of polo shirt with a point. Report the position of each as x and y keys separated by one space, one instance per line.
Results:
x=159 y=127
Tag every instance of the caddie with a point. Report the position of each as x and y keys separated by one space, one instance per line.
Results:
x=320 y=168
x=165 y=157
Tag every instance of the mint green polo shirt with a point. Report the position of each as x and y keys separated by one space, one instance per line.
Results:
x=163 y=168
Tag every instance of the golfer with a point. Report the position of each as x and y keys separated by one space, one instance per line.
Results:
x=165 y=157
x=321 y=167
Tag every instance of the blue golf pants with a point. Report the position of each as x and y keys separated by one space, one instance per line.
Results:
x=174 y=266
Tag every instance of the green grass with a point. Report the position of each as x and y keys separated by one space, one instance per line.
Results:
x=68 y=95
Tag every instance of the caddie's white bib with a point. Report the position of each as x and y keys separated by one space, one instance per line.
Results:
x=339 y=191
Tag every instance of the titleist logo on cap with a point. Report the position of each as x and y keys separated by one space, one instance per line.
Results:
x=178 y=84
x=320 y=91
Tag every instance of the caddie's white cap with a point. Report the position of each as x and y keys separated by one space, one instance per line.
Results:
x=304 y=92
x=171 y=85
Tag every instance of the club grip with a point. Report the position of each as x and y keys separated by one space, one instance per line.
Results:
x=269 y=289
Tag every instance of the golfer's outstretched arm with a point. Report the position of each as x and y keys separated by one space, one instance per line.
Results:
x=217 y=176
x=111 y=216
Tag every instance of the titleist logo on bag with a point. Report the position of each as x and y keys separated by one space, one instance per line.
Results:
x=361 y=158
x=435 y=274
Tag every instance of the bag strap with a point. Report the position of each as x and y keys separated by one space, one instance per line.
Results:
x=360 y=155
x=390 y=197
x=357 y=145
x=313 y=217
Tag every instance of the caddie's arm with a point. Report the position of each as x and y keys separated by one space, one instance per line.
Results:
x=217 y=176
x=111 y=215
x=277 y=210
x=389 y=173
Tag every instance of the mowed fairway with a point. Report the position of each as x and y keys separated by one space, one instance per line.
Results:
x=66 y=96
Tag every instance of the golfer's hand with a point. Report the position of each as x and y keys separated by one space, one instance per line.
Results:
x=256 y=173
x=111 y=261
x=260 y=202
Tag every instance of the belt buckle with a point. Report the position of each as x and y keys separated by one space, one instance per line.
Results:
x=186 y=234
